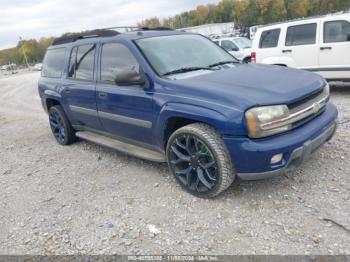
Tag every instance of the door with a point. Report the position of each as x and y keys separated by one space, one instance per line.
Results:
x=301 y=45
x=124 y=111
x=267 y=46
x=79 y=87
x=334 y=57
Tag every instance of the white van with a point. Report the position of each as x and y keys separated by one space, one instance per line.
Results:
x=320 y=44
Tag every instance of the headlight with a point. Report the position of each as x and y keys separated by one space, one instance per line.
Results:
x=258 y=119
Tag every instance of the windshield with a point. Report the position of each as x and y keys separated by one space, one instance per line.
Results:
x=243 y=43
x=176 y=52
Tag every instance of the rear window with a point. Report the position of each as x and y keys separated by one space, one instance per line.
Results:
x=54 y=63
x=301 y=35
x=269 y=38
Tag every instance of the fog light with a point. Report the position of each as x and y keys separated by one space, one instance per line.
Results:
x=276 y=158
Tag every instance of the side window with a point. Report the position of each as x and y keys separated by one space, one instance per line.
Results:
x=114 y=58
x=336 y=31
x=54 y=63
x=81 y=65
x=228 y=45
x=301 y=35
x=269 y=38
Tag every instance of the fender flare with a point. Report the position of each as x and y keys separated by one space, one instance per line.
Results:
x=51 y=94
x=193 y=112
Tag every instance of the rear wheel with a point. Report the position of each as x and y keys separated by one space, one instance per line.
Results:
x=60 y=126
x=198 y=158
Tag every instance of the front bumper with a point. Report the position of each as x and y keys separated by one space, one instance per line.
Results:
x=297 y=157
x=252 y=158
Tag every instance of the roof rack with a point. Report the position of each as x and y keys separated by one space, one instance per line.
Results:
x=159 y=28
x=103 y=32
x=306 y=18
x=72 y=37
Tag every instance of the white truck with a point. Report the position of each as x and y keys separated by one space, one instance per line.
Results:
x=318 y=44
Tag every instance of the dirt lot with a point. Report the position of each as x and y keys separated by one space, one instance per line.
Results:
x=88 y=199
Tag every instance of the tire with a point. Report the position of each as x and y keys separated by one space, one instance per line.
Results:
x=60 y=126
x=247 y=60
x=191 y=151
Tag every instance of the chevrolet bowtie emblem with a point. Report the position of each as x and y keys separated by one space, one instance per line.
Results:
x=316 y=107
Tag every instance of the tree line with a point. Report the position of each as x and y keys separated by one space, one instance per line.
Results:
x=243 y=12
x=34 y=50
x=248 y=12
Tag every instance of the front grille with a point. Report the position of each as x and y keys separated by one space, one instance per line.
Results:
x=308 y=102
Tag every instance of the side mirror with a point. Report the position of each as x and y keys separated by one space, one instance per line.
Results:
x=127 y=77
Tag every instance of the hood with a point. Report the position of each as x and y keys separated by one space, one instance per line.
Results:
x=247 y=85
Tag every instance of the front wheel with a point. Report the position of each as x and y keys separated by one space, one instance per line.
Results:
x=199 y=160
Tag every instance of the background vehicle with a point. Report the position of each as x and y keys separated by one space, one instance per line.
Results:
x=320 y=44
x=38 y=67
x=252 y=31
x=177 y=97
x=239 y=47
x=212 y=29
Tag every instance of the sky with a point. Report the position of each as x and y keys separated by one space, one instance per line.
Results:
x=43 y=18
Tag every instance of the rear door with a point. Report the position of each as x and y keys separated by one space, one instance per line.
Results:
x=124 y=111
x=79 y=87
x=334 y=57
x=301 y=45
x=266 y=46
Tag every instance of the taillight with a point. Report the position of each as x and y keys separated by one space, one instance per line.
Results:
x=253 y=57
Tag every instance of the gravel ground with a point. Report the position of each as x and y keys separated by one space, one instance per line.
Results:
x=88 y=199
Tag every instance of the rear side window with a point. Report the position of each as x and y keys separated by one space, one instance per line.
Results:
x=301 y=35
x=269 y=38
x=54 y=63
x=114 y=58
x=336 y=31
x=81 y=65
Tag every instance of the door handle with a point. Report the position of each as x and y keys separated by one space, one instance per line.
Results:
x=67 y=90
x=102 y=94
x=326 y=48
x=287 y=51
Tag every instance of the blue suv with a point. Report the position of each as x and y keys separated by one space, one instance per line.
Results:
x=176 y=97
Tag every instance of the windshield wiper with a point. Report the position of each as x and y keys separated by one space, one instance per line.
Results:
x=223 y=63
x=186 y=69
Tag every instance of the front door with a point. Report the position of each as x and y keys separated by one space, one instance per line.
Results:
x=124 y=111
x=334 y=57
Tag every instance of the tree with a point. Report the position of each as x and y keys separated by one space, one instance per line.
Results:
x=201 y=14
x=151 y=22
